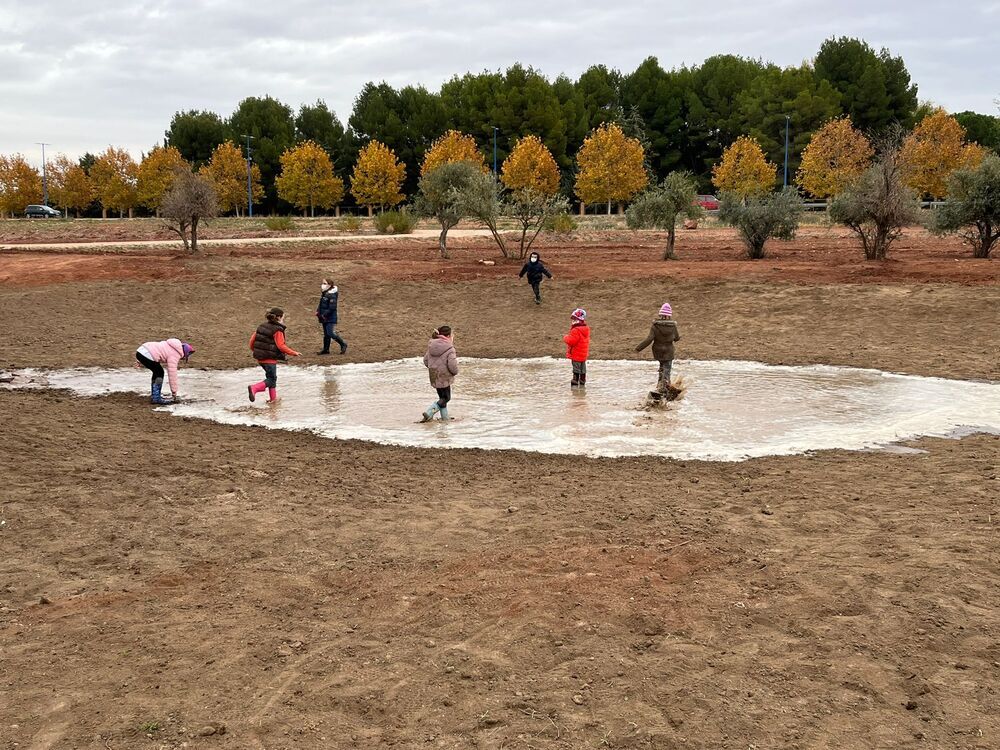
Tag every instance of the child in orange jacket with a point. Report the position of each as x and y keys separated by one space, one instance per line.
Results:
x=268 y=347
x=578 y=346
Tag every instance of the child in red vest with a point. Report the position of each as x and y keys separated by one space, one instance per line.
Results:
x=268 y=347
x=578 y=346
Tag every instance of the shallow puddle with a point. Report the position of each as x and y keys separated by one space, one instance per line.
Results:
x=730 y=411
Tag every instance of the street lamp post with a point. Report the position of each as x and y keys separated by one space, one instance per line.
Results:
x=787 y=121
x=495 y=130
x=45 y=180
x=249 y=183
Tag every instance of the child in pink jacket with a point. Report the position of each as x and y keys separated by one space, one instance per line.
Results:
x=153 y=355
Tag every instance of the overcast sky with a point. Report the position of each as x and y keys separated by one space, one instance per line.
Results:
x=83 y=75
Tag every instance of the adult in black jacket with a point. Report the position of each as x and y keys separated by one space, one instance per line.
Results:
x=535 y=270
x=327 y=314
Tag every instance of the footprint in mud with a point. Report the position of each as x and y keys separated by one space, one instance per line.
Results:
x=57 y=724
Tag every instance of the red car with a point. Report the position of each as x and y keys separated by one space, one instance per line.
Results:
x=708 y=202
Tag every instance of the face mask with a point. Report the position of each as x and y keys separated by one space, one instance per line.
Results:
x=324 y=287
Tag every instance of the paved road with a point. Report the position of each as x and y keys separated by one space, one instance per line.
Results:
x=420 y=234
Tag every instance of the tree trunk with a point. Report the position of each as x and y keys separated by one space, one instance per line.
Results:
x=130 y=212
x=104 y=212
x=621 y=209
x=668 y=254
x=312 y=211
x=194 y=235
x=583 y=208
x=336 y=211
x=987 y=238
x=370 y=214
x=443 y=242
x=609 y=208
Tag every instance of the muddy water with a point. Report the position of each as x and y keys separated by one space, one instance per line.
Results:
x=731 y=410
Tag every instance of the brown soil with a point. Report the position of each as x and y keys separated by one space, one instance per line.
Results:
x=163 y=577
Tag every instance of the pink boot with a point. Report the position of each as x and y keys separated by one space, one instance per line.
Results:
x=272 y=394
x=253 y=390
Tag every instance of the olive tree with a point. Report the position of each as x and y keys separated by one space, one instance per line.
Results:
x=439 y=196
x=531 y=209
x=877 y=204
x=759 y=218
x=190 y=199
x=973 y=207
x=481 y=197
x=660 y=207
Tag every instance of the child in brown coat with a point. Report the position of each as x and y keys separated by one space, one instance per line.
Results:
x=662 y=336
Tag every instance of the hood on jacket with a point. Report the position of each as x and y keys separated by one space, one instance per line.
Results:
x=659 y=322
x=439 y=346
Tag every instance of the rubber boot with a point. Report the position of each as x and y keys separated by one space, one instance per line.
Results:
x=583 y=381
x=157 y=393
x=444 y=414
x=575 y=381
x=253 y=390
x=430 y=411
x=326 y=345
x=343 y=344
x=272 y=395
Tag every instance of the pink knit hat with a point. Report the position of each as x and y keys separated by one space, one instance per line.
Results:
x=579 y=314
x=666 y=309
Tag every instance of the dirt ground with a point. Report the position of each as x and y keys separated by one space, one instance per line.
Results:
x=170 y=583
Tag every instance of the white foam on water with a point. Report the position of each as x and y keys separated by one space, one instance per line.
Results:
x=731 y=410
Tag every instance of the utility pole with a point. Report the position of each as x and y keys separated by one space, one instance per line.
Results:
x=495 y=130
x=249 y=182
x=788 y=119
x=45 y=181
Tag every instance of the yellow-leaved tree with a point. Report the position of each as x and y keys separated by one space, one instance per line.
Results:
x=934 y=150
x=744 y=170
x=378 y=177
x=69 y=185
x=530 y=166
x=227 y=169
x=115 y=176
x=610 y=166
x=452 y=147
x=307 y=179
x=157 y=173
x=837 y=154
x=20 y=185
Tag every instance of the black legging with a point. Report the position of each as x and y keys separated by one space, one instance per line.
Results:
x=444 y=396
x=155 y=367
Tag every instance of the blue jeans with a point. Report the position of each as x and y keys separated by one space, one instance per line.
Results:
x=330 y=334
x=270 y=375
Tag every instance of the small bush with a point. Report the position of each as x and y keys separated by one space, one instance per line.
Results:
x=973 y=207
x=759 y=218
x=560 y=224
x=279 y=223
x=395 y=222
x=349 y=224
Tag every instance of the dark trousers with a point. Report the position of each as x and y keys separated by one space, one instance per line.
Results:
x=155 y=367
x=270 y=375
x=579 y=373
x=444 y=396
x=330 y=334
x=663 y=381
x=536 y=287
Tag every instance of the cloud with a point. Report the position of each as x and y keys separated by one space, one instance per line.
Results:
x=86 y=75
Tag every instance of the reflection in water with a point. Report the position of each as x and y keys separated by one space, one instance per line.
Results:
x=730 y=411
